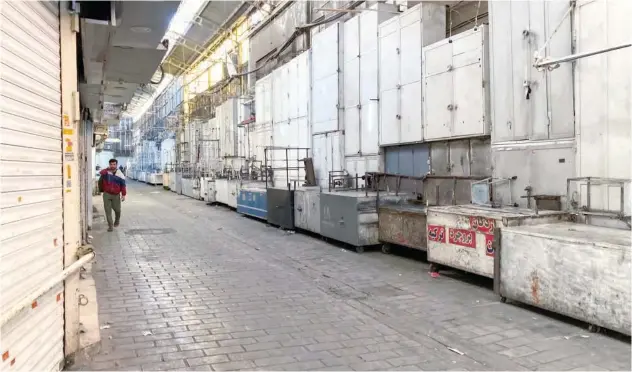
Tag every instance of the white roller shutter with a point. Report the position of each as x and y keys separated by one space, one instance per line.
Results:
x=31 y=232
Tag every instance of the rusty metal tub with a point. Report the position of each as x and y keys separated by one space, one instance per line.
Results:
x=403 y=225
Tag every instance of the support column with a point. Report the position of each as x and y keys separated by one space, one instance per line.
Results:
x=69 y=26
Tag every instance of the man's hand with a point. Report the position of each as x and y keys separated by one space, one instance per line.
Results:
x=122 y=198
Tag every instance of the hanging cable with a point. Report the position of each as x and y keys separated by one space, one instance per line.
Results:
x=162 y=75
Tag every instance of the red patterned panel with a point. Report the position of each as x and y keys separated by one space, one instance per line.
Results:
x=436 y=233
x=482 y=224
x=465 y=238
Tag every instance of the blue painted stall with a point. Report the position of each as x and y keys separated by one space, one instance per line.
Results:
x=253 y=202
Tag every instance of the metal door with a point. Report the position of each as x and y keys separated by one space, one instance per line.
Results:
x=469 y=62
x=410 y=49
x=325 y=92
x=31 y=206
x=389 y=54
x=411 y=113
x=389 y=117
x=369 y=133
x=280 y=204
x=339 y=218
x=307 y=210
x=438 y=100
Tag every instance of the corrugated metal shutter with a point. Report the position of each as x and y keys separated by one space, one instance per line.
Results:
x=31 y=232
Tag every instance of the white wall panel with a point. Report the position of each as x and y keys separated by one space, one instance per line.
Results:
x=547 y=112
x=281 y=93
x=370 y=128
x=411 y=113
x=303 y=62
x=263 y=99
x=368 y=76
x=325 y=118
x=227 y=128
x=603 y=96
x=410 y=55
x=328 y=153
x=326 y=66
x=351 y=36
x=352 y=131
x=389 y=117
x=389 y=54
x=259 y=136
x=351 y=87
x=359 y=165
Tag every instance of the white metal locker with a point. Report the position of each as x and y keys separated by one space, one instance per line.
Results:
x=31 y=235
x=400 y=47
x=456 y=94
x=527 y=103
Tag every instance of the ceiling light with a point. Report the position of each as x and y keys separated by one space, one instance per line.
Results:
x=141 y=29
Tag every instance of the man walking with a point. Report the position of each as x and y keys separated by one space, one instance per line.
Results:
x=112 y=185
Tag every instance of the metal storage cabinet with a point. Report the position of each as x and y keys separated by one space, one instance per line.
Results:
x=191 y=188
x=155 y=178
x=527 y=103
x=253 y=202
x=404 y=225
x=461 y=236
x=577 y=270
x=280 y=207
x=178 y=188
x=456 y=86
x=401 y=40
x=172 y=181
x=210 y=195
x=227 y=191
x=351 y=216
x=307 y=209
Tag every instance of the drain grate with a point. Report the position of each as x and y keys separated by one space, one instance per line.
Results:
x=149 y=231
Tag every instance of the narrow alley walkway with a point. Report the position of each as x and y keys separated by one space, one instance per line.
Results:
x=186 y=286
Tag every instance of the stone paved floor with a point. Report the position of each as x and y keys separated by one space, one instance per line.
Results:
x=186 y=286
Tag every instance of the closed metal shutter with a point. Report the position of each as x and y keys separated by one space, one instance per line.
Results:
x=31 y=231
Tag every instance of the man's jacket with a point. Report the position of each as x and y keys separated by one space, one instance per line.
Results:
x=112 y=183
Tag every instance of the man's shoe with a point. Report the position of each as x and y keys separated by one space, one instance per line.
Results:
x=116 y=224
x=110 y=228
